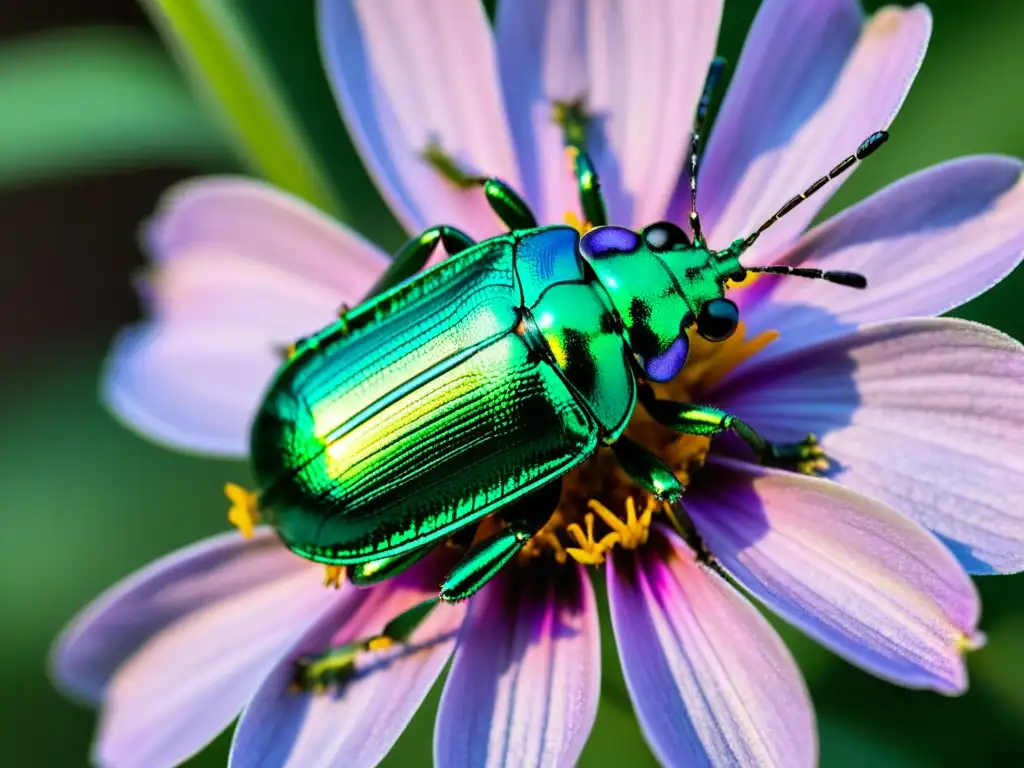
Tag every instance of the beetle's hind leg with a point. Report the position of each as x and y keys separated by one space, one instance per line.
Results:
x=334 y=667
x=806 y=457
x=524 y=518
x=414 y=254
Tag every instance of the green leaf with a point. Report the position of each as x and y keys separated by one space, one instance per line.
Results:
x=214 y=45
x=89 y=99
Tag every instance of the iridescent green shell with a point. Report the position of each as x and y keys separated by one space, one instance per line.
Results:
x=442 y=400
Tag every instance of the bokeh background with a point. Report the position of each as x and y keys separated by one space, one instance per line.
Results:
x=96 y=120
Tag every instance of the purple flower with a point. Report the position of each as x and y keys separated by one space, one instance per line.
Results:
x=921 y=417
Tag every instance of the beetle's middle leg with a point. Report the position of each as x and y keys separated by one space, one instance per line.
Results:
x=805 y=457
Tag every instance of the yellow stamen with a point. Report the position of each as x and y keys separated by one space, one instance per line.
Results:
x=601 y=507
x=577 y=223
x=244 y=513
x=589 y=551
x=710 y=361
x=380 y=643
x=967 y=643
x=292 y=349
x=334 y=576
x=746 y=282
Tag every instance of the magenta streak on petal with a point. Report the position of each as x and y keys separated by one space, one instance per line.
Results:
x=926 y=244
x=191 y=678
x=406 y=74
x=525 y=683
x=924 y=415
x=711 y=682
x=857 y=576
x=358 y=724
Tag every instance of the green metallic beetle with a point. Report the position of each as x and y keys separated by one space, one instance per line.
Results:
x=469 y=390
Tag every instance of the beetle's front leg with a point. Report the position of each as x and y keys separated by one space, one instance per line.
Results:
x=805 y=457
x=414 y=254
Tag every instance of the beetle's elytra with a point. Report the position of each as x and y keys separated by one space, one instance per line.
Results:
x=470 y=389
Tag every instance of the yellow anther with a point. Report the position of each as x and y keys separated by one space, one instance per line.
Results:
x=709 y=361
x=380 y=643
x=292 y=349
x=967 y=643
x=633 y=532
x=577 y=223
x=334 y=576
x=589 y=551
x=244 y=513
x=746 y=282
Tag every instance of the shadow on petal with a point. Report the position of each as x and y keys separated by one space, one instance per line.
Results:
x=525 y=682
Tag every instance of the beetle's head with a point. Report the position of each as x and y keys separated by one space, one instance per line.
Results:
x=664 y=286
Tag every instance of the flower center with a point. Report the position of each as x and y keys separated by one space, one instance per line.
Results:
x=601 y=507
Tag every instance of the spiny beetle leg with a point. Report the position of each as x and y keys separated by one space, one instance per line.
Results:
x=805 y=457
x=414 y=254
x=383 y=568
x=647 y=470
x=483 y=561
x=589 y=185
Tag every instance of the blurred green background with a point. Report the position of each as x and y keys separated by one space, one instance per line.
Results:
x=96 y=120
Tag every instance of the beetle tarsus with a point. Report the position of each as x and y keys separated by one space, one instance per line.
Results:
x=806 y=457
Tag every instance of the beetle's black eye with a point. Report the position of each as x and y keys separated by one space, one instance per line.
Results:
x=664 y=236
x=718 y=319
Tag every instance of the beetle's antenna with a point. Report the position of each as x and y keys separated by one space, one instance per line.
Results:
x=710 y=84
x=850 y=279
x=871 y=143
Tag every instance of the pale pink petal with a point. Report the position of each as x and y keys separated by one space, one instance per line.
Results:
x=857 y=576
x=241 y=272
x=167 y=591
x=638 y=69
x=526 y=680
x=188 y=390
x=865 y=97
x=258 y=222
x=542 y=53
x=410 y=74
x=357 y=724
x=924 y=415
x=190 y=679
x=926 y=244
x=794 y=53
x=711 y=682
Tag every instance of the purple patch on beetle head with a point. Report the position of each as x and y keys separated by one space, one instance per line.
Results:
x=667 y=365
x=602 y=242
